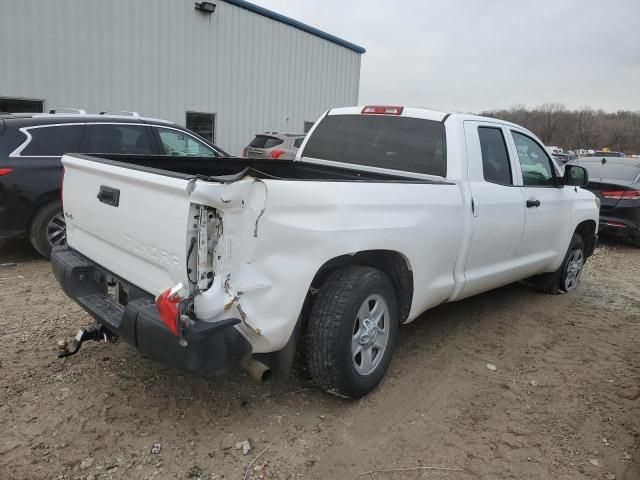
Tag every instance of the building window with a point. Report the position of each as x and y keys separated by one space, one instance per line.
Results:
x=16 y=105
x=204 y=124
x=307 y=126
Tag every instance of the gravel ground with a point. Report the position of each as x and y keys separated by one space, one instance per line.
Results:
x=562 y=403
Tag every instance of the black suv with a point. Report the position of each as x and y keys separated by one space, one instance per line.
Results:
x=31 y=146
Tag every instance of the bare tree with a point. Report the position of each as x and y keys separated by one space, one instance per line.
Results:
x=574 y=129
x=551 y=119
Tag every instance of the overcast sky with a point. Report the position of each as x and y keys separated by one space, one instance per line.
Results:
x=474 y=55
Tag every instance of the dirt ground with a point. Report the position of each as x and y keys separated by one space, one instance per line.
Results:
x=563 y=402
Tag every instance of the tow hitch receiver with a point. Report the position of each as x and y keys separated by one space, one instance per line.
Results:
x=96 y=333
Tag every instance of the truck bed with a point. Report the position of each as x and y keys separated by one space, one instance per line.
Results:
x=188 y=167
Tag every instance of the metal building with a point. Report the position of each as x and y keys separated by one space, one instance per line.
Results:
x=227 y=69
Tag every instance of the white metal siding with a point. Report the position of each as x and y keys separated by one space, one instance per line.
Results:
x=163 y=58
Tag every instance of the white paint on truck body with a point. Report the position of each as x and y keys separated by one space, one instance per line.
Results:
x=277 y=234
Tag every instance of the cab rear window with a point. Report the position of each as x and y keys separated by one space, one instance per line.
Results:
x=393 y=142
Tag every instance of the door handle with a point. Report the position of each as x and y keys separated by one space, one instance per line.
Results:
x=533 y=203
x=108 y=195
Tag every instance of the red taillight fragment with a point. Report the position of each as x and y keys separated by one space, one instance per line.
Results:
x=615 y=224
x=276 y=153
x=622 y=195
x=167 y=305
x=5 y=171
x=382 y=110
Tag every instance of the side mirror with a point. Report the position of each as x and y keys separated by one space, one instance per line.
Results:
x=576 y=176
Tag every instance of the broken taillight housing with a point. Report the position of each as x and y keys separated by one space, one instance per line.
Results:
x=167 y=304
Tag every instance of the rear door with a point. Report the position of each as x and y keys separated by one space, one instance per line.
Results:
x=548 y=225
x=497 y=206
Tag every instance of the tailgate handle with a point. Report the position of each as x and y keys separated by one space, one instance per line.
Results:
x=108 y=195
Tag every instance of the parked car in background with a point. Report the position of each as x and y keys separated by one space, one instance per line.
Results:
x=274 y=145
x=31 y=173
x=605 y=153
x=385 y=212
x=616 y=182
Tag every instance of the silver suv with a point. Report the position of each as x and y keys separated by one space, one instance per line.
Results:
x=283 y=146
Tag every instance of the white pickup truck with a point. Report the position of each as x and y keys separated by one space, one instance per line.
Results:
x=386 y=212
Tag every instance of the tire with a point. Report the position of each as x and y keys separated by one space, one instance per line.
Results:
x=356 y=308
x=48 y=228
x=635 y=241
x=567 y=278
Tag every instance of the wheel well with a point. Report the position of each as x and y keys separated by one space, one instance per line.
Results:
x=392 y=263
x=291 y=359
x=587 y=230
x=40 y=203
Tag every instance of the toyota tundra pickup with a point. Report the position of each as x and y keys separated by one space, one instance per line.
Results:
x=385 y=212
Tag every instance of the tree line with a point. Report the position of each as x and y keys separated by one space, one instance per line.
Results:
x=575 y=129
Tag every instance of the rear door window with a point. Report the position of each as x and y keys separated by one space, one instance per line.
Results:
x=265 y=141
x=53 y=141
x=297 y=142
x=495 y=159
x=398 y=143
x=115 y=138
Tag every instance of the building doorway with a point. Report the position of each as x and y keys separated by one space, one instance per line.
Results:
x=20 y=105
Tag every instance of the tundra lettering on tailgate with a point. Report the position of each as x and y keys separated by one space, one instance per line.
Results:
x=156 y=254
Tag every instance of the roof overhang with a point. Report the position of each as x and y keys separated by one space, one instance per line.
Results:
x=296 y=24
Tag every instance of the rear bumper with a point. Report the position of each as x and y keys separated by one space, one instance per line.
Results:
x=211 y=347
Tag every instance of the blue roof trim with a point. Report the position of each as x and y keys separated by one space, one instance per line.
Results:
x=296 y=24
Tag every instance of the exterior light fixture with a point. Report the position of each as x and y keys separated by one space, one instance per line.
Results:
x=206 y=7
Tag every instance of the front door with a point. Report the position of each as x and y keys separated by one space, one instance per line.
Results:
x=497 y=209
x=548 y=226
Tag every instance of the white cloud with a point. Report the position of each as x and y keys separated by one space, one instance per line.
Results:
x=473 y=55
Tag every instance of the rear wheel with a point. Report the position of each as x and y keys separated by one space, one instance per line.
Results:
x=635 y=241
x=48 y=228
x=352 y=331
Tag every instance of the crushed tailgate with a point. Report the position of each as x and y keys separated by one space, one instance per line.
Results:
x=136 y=222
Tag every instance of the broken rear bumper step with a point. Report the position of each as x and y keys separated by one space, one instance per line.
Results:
x=211 y=347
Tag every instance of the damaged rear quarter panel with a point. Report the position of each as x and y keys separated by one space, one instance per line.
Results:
x=278 y=233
